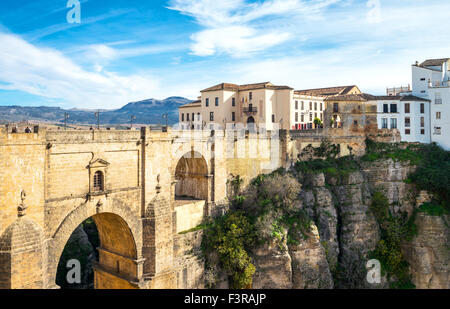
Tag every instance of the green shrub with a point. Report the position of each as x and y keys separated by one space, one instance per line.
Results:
x=433 y=209
x=230 y=237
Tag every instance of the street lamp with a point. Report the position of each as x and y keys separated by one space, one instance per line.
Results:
x=165 y=116
x=66 y=116
x=97 y=115
x=131 y=121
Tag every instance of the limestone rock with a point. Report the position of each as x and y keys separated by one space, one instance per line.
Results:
x=429 y=253
x=310 y=268
x=273 y=266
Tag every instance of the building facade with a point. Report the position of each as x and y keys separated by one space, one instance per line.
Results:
x=263 y=105
x=408 y=114
x=431 y=80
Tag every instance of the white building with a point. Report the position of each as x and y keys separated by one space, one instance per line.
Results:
x=409 y=114
x=431 y=80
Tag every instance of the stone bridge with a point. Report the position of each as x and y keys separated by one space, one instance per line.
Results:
x=142 y=188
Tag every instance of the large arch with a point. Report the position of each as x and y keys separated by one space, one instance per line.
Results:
x=191 y=175
x=120 y=254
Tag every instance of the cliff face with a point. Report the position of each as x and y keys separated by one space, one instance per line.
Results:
x=429 y=252
x=346 y=231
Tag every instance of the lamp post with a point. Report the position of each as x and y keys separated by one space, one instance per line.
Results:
x=66 y=116
x=131 y=121
x=165 y=116
x=97 y=115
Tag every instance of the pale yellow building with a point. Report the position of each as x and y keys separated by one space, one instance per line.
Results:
x=261 y=104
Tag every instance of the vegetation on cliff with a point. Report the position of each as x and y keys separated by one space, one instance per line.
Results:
x=432 y=166
x=260 y=214
x=394 y=230
x=269 y=210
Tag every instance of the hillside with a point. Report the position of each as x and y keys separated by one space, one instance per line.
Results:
x=147 y=112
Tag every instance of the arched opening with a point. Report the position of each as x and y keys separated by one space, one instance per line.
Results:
x=191 y=175
x=99 y=181
x=250 y=120
x=106 y=251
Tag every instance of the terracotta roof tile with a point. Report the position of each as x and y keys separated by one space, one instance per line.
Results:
x=234 y=87
x=433 y=62
x=330 y=91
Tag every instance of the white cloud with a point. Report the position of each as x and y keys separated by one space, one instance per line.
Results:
x=239 y=28
x=48 y=73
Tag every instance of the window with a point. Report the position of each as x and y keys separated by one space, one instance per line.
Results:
x=211 y=116
x=233 y=102
x=302 y=118
x=437 y=130
x=423 y=91
x=385 y=108
x=355 y=122
x=315 y=106
x=315 y=115
x=422 y=122
x=393 y=123
x=233 y=116
x=321 y=117
x=310 y=106
x=335 y=107
x=217 y=101
x=384 y=123
x=310 y=117
x=273 y=118
x=422 y=131
x=182 y=117
x=321 y=107
x=422 y=108
x=438 y=115
x=407 y=131
x=296 y=104
x=303 y=105
x=98 y=181
x=438 y=98
x=393 y=108
x=207 y=102
x=250 y=95
x=407 y=108
x=296 y=117
x=407 y=122
x=422 y=79
x=187 y=117
x=198 y=116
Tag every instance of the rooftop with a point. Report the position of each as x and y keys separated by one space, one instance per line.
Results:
x=330 y=91
x=434 y=62
x=234 y=87
x=192 y=104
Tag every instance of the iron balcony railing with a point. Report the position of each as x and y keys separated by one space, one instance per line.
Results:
x=250 y=110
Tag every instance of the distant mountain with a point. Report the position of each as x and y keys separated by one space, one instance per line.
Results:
x=146 y=112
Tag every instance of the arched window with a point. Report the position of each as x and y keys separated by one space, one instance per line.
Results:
x=99 y=181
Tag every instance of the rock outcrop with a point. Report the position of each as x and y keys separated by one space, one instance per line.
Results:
x=428 y=254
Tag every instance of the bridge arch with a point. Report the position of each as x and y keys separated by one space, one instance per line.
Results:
x=192 y=176
x=120 y=253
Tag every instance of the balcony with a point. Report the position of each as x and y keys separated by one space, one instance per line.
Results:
x=250 y=110
x=438 y=101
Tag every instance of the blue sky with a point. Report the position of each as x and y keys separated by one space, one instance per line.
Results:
x=128 y=50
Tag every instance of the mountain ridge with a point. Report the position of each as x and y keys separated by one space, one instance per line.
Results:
x=148 y=111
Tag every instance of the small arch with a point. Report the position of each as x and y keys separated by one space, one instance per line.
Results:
x=191 y=174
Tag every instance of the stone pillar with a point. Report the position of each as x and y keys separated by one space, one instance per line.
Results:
x=21 y=254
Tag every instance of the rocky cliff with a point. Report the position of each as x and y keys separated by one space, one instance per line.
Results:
x=345 y=233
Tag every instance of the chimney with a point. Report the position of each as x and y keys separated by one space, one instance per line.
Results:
x=445 y=75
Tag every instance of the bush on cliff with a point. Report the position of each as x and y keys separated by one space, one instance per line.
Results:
x=388 y=250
